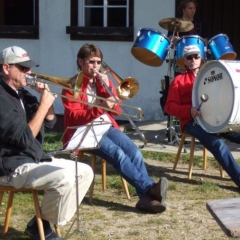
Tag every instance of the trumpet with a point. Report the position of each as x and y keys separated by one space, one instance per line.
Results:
x=75 y=85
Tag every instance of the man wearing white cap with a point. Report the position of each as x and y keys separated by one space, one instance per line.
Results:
x=179 y=104
x=22 y=160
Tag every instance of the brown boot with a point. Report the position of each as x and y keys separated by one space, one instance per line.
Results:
x=158 y=190
x=148 y=204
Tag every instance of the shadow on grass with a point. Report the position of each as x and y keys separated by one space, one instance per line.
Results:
x=115 y=206
x=13 y=234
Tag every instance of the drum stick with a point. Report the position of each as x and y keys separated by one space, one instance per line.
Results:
x=203 y=98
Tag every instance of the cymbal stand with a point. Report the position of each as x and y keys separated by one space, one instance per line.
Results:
x=172 y=134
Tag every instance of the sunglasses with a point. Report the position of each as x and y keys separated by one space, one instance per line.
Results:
x=93 y=61
x=195 y=56
x=21 y=68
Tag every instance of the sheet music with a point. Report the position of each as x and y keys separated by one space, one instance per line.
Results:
x=88 y=136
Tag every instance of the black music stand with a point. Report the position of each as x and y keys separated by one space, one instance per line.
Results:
x=80 y=138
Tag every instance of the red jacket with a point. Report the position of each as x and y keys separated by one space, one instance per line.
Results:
x=179 y=100
x=76 y=113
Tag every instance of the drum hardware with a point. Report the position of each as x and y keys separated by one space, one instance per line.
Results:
x=151 y=48
x=203 y=98
x=171 y=132
x=154 y=137
x=176 y=25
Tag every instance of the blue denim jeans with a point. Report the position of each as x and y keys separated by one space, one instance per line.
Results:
x=217 y=147
x=119 y=150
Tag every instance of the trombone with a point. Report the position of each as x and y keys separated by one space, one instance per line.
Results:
x=128 y=88
x=69 y=84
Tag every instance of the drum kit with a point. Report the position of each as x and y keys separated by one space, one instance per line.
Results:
x=216 y=80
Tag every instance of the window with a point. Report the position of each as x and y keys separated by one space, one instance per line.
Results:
x=110 y=20
x=19 y=19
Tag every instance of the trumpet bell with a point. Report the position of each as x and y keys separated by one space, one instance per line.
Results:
x=128 y=88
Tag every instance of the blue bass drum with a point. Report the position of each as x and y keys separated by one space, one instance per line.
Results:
x=150 y=47
x=220 y=48
x=186 y=41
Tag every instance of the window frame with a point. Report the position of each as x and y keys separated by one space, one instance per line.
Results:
x=100 y=33
x=22 y=31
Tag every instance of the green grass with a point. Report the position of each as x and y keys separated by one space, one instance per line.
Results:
x=52 y=141
x=112 y=216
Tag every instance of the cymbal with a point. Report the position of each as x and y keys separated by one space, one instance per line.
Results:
x=176 y=24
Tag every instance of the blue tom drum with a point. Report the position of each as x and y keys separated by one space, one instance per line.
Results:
x=150 y=47
x=220 y=48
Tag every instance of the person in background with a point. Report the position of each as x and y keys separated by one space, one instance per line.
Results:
x=179 y=104
x=115 y=146
x=23 y=163
x=188 y=10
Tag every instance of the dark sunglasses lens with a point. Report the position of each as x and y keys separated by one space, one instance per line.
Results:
x=92 y=62
x=23 y=69
x=193 y=56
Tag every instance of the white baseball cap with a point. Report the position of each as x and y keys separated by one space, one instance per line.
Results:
x=16 y=55
x=190 y=49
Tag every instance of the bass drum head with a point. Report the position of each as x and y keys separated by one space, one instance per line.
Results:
x=215 y=79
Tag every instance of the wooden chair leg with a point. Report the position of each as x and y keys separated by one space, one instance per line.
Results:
x=57 y=230
x=221 y=171
x=91 y=189
x=204 y=158
x=191 y=158
x=8 y=213
x=38 y=214
x=179 y=151
x=205 y=163
x=125 y=186
x=1 y=198
x=104 y=174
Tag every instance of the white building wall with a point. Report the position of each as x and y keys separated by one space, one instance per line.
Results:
x=56 y=53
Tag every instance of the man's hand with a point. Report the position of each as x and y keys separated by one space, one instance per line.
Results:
x=47 y=98
x=108 y=104
x=195 y=113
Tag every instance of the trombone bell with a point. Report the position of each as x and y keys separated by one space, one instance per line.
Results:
x=128 y=88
